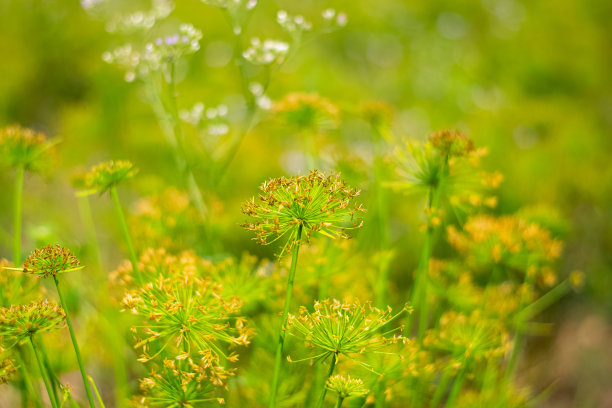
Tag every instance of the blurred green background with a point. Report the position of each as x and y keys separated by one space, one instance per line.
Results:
x=531 y=80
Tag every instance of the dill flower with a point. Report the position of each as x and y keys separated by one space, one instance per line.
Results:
x=176 y=384
x=468 y=338
x=348 y=329
x=316 y=203
x=21 y=147
x=106 y=175
x=51 y=260
x=7 y=370
x=307 y=111
x=510 y=242
x=186 y=314
x=20 y=322
x=451 y=143
x=346 y=387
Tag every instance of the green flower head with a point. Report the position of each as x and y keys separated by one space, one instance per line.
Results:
x=349 y=329
x=23 y=147
x=106 y=175
x=317 y=203
x=346 y=387
x=50 y=261
x=20 y=322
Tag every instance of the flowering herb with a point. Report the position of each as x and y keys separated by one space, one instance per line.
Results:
x=20 y=322
x=346 y=387
x=316 y=203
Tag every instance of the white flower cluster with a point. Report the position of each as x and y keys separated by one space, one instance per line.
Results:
x=213 y=120
x=292 y=24
x=89 y=4
x=261 y=99
x=333 y=18
x=266 y=52
x=162 y=50
x=141 y=20
x=232 y=4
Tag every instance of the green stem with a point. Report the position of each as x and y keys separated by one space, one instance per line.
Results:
x=457 y=384
x=17 y=209
x=281 y=335
x=32 y=392
x=93 y=244
x=339 y=402
x=75 y=344
x=440 y=389
x=126 y=232
x=52 y=379
x=332 y=365
x=43 y=373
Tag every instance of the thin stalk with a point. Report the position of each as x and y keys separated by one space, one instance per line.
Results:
x=440 y=389
x=32 y=392
x=17 y=210
x=43 y=373
x=281 y=335
x=339 y=402
x=75 y=344
x=93 y=244
x=52 y=379
x=126 y=232
x=329 y=373
x=382 y=217
x=457 y=384
x=518 y=328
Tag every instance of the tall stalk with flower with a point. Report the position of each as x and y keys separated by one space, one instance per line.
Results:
x=20 y=324
x=338 y=329
x=49 y=262
x=293 y=209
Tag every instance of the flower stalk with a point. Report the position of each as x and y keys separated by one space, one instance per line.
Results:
x=43 y=373
x=283 y=326
x=75 y=344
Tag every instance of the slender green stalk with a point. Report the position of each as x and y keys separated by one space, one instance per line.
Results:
x=281 y=335
x=332 y=365
x=93 y=244
x=457 y=384
x=17 y=209
x=126 y=232
x=43 y=373
x=441 y=389
x=31 y=392
x=339 y=402
x=75 y=344
x=52 y=379
x=518 y=328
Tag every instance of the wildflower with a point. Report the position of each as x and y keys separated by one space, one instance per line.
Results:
x=7 y=369
x=107 y=175
x=346 y=387
x=470 y=338
x=156 y=55
x=268 y=52
x=20 y=322
x=315 y=203
x=185 y=313
x=51 y=261
x=139 y=20
x=333 y=19
x=348 y=329
x=451 y=143
x=307 y=111
x=294 y=25
x=377 y=113
x=176 y=384
x=20 y=147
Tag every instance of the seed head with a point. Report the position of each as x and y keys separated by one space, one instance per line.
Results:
x=317 y=203
x=451 y=143
x=346 y=387
x=308 y=111
x=19 y=322
x=50 y=261
x=350 y=329
x=23 y=147
x=108 y=174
